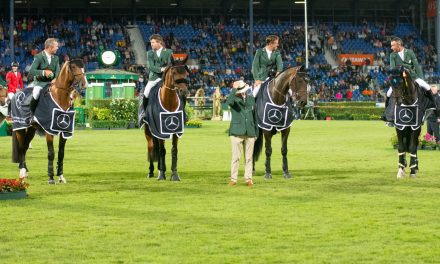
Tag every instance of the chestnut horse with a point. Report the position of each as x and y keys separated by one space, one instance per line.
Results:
x=175 y=81
x=71 y=76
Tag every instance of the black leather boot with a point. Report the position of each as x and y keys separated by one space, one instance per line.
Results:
x=145 y=103
x=33 y=105
x=387 y=102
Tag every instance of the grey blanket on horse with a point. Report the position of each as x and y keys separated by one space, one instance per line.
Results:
x=163 y=124
x=48 y=114
x=410 y=115
x=52 y=118
x=271 y=115
x=20 y=109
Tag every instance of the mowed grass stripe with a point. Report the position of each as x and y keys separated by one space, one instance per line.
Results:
x=344 y=204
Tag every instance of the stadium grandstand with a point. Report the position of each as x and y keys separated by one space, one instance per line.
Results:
x=216 y=35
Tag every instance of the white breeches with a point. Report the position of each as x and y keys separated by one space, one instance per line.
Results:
x=150 y=84
x=10 y=95
x=36 y=92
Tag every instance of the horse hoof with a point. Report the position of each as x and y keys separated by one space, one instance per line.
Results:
x=150 y=175
x=51 y=181
x=268 y=176
x=401 y=173
x=23 y=173
x=287 y=175
x=175 y=177
x=413 y=175
x=62 y=179
x=161 y=176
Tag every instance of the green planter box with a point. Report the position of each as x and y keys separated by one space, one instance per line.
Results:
x=95 y=91
x=117 y=91
x=12 y=195
x=3 y=129
x=128 y=90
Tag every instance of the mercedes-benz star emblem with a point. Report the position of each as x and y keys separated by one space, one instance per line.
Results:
x=405 y=115
x=63 y=121
x=19 y=99
x=172 y=123
x=274 y=116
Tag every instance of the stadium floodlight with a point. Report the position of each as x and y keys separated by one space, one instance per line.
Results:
x=306 y=33
x=95 y=2
x=173 y=4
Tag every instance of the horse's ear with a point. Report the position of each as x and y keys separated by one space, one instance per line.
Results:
x=302 y=68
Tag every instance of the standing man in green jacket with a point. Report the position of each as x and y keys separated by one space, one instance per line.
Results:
x=266 y=60
x=158 y=58
x=44 y=69
x=243 y=130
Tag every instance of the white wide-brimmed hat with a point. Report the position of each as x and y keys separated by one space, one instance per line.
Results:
x=241 y=86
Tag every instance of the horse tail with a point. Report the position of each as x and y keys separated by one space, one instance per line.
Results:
x=154 y=156
x=15 y=144
x=258 y=146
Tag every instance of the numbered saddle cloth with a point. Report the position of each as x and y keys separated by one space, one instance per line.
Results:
x=20 y=109
x=52 y=118
x=163 y=124
x=271 y=115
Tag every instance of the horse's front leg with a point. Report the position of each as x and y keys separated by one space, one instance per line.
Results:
x=174 y=175
x=50 y=158
x=284 y=136
x=401 y=149
x=268 y=146
x=60 y=162
x=161 y=164
x=414 y=162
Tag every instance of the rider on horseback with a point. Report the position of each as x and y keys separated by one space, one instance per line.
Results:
x=267 y=62
x=406 y=58
x=44 y=69
x=158 y=59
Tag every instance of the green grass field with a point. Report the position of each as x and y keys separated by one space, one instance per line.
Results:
x=344 y=204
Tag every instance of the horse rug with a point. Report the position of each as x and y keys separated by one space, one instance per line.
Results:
x=271 y=115
x=48 y=114
x=52 y=118
x=412 y=115
x=20 y=109
x=163 y=124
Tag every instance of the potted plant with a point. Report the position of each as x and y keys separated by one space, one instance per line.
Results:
x=194 y=123
x=428 y=142
x=12 y=189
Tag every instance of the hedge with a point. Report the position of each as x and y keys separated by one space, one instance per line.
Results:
x=342 y=112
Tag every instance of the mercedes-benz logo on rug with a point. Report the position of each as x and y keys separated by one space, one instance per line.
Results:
x=172 y=123
x=19 y=98
x=274 y=116
x=405 y=115
x=63 y=121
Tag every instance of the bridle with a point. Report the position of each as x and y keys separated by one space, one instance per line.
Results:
x=292 y=84
x=176 y=82
x=76 y=79
x=398 y=89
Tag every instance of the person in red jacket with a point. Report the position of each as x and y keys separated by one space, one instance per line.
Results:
x=14 y=80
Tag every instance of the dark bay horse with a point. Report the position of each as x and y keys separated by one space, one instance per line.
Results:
x=410 y=105
x=293 y=79
x=71 y=76
x=174 y=82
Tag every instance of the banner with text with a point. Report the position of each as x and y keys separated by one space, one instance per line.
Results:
x=356 y=59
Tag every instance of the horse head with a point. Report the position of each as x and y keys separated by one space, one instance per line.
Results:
x=404 y=89
x=72 y=76
x=176 y=74
x=299 y=85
